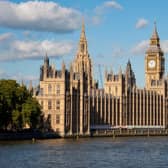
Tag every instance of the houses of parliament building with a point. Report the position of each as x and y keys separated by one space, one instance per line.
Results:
x=72 y=101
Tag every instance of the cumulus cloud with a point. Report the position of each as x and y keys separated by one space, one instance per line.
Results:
x=5 y=36
x=164 y=46
x=99 y=10
x=140 y=48
x=15 y=49
x=112 y=4
x=141 y=23
x=39 y=15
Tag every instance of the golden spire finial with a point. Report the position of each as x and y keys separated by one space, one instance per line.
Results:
x=46 y=56
x=155 y=23
x=83 y=24
x=155 y=27
x=155 y=33
x=83 y=37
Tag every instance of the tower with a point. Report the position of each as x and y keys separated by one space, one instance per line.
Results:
x=81 y=84
x=82 y=63
x=45 y=68
x=130 y=80
x=154 y=61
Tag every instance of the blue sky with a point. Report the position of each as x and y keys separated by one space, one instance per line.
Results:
x=116 y=31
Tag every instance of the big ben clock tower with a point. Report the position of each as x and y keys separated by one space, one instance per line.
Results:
x=154 y=61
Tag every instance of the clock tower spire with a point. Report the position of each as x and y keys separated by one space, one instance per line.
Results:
x=154 y=60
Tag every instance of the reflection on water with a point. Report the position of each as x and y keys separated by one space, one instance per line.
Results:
x=138 y=152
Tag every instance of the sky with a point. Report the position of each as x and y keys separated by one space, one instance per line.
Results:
x=116 y=31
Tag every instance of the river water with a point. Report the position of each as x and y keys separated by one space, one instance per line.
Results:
x=136 y=152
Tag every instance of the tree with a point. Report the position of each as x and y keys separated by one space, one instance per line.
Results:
x=16 y=120
x=17 y=107
x=4 y=113
x=31 y=113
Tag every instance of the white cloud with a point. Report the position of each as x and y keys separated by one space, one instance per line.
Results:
x=112 y=4
x=100 y=10
x=140 y=48
x=39 y=15
x=106 y=5
x=15 y=49
x=5 y=36
x=141 y=23
x=164 y=46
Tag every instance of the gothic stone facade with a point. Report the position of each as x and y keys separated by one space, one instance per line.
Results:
x=72 y=102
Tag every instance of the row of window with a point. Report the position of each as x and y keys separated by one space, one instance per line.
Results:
x=57 y=118
x=50 y=90
x=116 y=90
x=57 y=107
x=57 y=104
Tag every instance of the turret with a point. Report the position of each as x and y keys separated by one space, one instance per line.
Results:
x=82 y=49
x=111 y=71
x=106 y=73
x=46 y=61
x=130 y=80
x=63 y=69
x=155 y=40
x=82 y=64
x=120 y=71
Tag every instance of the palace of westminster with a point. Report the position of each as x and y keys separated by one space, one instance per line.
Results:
x=75 y=105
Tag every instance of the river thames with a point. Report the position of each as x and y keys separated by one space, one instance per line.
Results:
x=136 y=152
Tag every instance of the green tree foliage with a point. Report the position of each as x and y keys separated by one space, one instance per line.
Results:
x=17 y=107
x=31 y=113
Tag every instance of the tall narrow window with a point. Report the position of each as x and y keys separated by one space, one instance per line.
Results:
x=116 y=91
x=57 y=104
x=49 y=89
x=42 y=104
x=57 y=119
x=109 y=89
x=49 y=105
x=41 y=91
x=58 y=89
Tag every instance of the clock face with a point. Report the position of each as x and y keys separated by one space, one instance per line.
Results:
x=152 y=64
